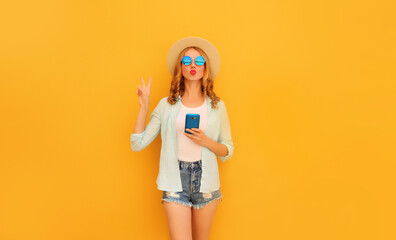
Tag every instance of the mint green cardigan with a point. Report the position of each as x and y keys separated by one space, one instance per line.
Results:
x=163 y=119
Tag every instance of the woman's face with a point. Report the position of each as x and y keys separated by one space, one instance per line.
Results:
x=187 y=70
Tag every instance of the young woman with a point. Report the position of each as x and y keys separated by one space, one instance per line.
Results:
x=188 y=172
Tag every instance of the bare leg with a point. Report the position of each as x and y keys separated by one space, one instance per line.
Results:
x=202 y=220
x=179 y=220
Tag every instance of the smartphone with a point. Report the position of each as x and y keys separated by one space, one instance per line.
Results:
x=192 y=121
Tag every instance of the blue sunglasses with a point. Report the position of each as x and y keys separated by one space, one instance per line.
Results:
x=186 y=60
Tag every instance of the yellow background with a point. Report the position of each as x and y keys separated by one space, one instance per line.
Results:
x=309 y=88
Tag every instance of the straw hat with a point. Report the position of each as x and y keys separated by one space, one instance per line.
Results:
x=209 y=49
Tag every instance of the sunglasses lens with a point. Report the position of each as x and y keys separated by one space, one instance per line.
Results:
x=186 y=60
x=199 y=60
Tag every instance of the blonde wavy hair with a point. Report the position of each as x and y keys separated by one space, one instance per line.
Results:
x=177 y=85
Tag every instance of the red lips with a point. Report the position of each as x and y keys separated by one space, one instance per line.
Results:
x=193 y=72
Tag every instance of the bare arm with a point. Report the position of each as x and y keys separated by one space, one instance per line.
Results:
x=141 y=119
x=218 y=148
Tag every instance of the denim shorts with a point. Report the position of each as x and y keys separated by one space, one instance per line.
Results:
x=191 y=173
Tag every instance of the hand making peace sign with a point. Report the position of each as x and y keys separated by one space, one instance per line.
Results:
x=144 y=93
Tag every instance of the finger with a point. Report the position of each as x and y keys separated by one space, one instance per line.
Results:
x=193 y=137
x=140 y=88
x=190 y=135
x=149 y=84
x=144 y=85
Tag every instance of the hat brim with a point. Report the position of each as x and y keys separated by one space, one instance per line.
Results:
x=208 y=47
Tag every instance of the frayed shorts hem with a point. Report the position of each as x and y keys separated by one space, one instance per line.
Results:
x=177 y=201
x=198 y=206
x=195 y=206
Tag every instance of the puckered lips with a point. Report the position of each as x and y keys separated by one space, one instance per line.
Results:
x=193 y=72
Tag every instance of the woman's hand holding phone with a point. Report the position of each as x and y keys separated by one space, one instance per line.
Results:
x=144 y=93
x=198 y=136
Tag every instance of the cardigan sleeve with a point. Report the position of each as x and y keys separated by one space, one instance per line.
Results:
x=225 y=132
x=141 y=140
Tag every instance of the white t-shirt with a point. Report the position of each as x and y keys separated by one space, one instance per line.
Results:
x=188 y=150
